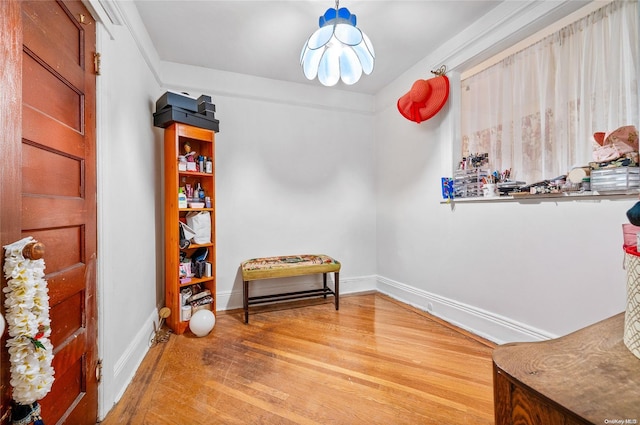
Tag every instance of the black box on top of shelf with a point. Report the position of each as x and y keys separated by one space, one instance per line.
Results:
x=206 y=107
x=179 y=100
x=168 y=116
x=204 y=98
x=210 y=115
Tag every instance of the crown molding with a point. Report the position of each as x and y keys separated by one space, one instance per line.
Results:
x=505 y=25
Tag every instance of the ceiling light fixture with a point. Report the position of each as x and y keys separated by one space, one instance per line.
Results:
x=338 y=50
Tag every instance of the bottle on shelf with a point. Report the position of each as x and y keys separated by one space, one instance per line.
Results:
x=209 y=166
x=182 y=199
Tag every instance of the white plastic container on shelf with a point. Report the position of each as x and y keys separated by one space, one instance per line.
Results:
x=468 y=183
x=182 y=199
x=615 y=179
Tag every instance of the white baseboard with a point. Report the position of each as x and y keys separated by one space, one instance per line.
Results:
x=488 y=325
x=483 y=323
x=127 y=365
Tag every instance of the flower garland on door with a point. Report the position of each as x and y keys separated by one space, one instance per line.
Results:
x=27 y=315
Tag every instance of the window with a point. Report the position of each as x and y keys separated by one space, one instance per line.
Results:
x=535 y=111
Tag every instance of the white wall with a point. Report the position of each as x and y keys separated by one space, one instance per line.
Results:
x=306 y=169
x=504 y=270
x=294 y=174
x=129 y=211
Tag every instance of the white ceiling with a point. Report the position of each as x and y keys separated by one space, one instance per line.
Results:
x=265 y=38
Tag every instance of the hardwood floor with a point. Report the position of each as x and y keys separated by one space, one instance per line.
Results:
x=376 y=361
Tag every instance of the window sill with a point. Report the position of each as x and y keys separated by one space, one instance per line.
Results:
x=550 y=197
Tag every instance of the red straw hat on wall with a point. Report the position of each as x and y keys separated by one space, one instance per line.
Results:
x=425 y=99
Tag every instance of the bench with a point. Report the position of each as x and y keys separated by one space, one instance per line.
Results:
x=288 y=266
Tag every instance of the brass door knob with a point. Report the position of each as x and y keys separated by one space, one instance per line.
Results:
x=33 y=251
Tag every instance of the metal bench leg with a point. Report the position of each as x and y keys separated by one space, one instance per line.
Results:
x=245 y=300
x=337 y=289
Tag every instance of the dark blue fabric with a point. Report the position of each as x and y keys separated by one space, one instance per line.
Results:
x=634 y=214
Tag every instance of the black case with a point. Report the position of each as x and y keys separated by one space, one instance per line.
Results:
x=204 y=98
x=206 y=107
x=169 y=115
x=182 y=101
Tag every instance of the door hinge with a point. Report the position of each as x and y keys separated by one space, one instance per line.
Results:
x=96 y=63
x=99 y=371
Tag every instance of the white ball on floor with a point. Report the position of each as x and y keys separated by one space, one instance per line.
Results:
x=201 y=322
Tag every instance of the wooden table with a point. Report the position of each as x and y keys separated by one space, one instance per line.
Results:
x=586 y=377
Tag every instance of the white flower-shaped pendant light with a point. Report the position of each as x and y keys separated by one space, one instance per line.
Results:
x=338 y=50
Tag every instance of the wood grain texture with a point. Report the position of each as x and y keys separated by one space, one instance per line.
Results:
x=58 y=163
x=10 y=142
x=202 y=142
x=375 y=361
x=586 y=377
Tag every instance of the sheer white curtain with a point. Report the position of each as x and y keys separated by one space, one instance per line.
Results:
x=536 y=111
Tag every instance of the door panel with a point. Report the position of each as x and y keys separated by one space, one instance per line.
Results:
x=58 y=192
x=66 y=282
x=50 y=94
x=63 y=247
x=48 y=172
x=44 y=21
x=68 y=315
x=60 y=138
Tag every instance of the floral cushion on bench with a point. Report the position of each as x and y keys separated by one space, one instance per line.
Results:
x=288 y=265
x=287 y=261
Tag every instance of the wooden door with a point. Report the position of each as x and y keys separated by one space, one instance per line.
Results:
x=56 y=174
